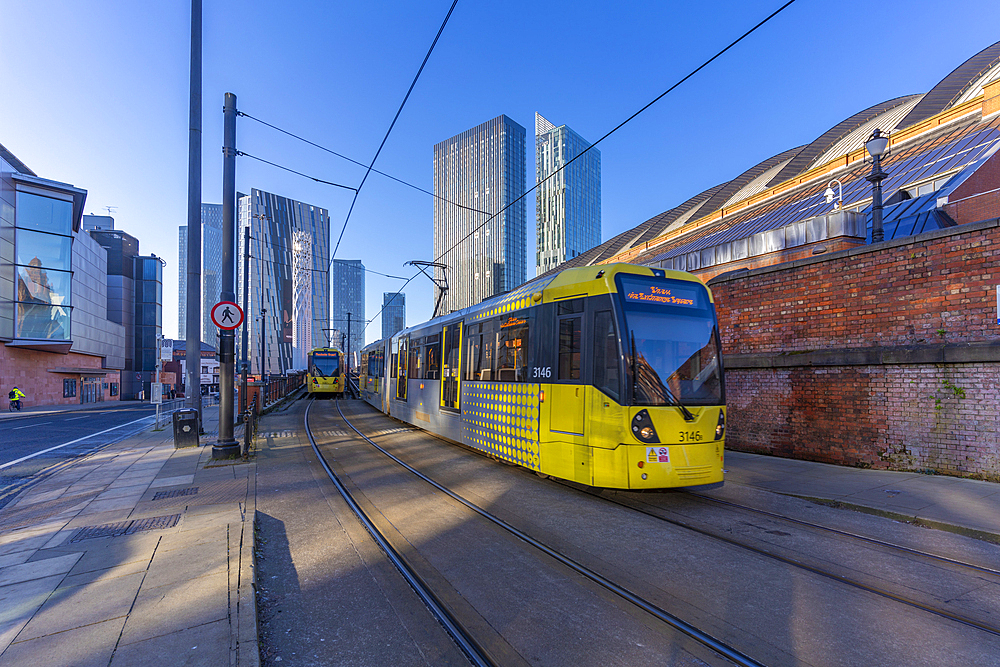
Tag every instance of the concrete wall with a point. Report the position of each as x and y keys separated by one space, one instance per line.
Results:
x=7 y=203
x=885 y=356
x=93 y=333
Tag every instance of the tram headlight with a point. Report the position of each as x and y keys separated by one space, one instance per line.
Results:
x=643 y=429
x=720 y=429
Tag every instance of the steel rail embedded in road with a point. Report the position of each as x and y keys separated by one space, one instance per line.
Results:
x=862 y=538
x=678 y=624
x=468 y=644
x=943 y=613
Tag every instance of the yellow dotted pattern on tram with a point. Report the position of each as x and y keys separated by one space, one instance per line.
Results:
x=516 y=300
x=502 y=418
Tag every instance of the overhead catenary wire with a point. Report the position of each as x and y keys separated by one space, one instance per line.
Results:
x=361 y=164
x=609 y=133
x=621 y=125
x=281 y=246
x=392 y=125
x=313 y=178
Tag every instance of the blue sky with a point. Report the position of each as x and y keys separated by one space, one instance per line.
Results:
x=96 y=94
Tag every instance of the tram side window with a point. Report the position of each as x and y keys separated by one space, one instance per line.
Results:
x=414 y=370
x=570 y=345
x=480 y=352
x=512 y=347
x=432 y=358
x=606 y=354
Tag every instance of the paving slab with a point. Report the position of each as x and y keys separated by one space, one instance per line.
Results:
x=18 y=602
x=76 y=606
x=200 y=646
x=89 y=646
x=15 y=574
x=168 y=609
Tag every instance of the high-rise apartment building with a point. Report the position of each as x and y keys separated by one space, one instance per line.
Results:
x=567 y=205
x=393 y=313
x=477 y=174
x=289 y=280
x=211 y=273
x=347 y=277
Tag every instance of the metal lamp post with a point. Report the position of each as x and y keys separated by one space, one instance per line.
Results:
x=877 y=146
x=835 y=198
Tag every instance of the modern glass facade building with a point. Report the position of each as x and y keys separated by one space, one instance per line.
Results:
x=476 y=175
x=289 y=279
x=348 y=279
x=567 y=202
x=57 y=341
x=393 y=313
x=148 y=319
x=211 y=273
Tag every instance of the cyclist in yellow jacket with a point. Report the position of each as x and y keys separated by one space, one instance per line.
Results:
x=15 y=397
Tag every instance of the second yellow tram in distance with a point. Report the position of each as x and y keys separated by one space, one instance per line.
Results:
x=610 y=376
x=325 y=374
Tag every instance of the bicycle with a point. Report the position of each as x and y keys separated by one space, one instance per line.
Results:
x=15 y=404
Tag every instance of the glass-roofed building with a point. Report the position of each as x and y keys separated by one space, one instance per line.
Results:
x=941 y=168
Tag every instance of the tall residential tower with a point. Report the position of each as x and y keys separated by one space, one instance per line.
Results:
x=567 y=205
x=477 y=174
x=393 y=313
x=289 y=278
x=348 y=279
x=211 y=273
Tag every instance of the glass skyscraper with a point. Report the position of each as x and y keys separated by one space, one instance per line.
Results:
x=567 y=205
x=289 y=278
x=211 y=273
x=393 y=313
x=348 y=296
x=476 y=175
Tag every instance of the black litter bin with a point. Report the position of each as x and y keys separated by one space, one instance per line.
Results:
x=186 y=428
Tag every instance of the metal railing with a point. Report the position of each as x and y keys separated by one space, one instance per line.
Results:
x=167 y=408
x=251 y=420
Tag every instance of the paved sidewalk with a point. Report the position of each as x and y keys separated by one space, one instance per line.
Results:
x=960 y=505
x=138 y=554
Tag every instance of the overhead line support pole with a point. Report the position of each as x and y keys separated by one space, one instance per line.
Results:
x=192 y=329
x=227 y=446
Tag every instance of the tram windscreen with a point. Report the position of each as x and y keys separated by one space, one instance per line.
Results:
x=324 y=364
x=671 y=326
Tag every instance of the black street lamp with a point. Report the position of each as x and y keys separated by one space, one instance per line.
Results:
x=877 y=145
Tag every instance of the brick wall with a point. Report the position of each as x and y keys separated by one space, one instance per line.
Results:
x=885 y=356
x=27 y=369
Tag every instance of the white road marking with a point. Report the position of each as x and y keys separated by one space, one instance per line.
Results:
x=65 y=444
x=29 y=426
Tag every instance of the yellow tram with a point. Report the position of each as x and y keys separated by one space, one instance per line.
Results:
x=610 y=376
x=326 y=372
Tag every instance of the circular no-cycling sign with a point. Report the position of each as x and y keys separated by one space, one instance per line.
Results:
x=227 y=315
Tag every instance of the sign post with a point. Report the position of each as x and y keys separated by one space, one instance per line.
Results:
x=156 y=387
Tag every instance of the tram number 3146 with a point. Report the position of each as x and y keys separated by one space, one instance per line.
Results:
x=690 y=436
x=541 y=372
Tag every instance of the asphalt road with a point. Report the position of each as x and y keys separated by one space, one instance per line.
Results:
x=67 y=435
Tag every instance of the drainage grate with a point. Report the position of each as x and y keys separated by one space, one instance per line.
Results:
x=126 y=527
x=176 y=493
x=154 y=523
x=105 y=530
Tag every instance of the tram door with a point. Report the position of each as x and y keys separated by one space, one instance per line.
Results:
x=569 y=394
x=403 y=364
x=451 y=366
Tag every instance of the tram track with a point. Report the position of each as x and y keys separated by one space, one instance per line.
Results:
x=476 y=652
x=799 y=563
x=861 y=538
